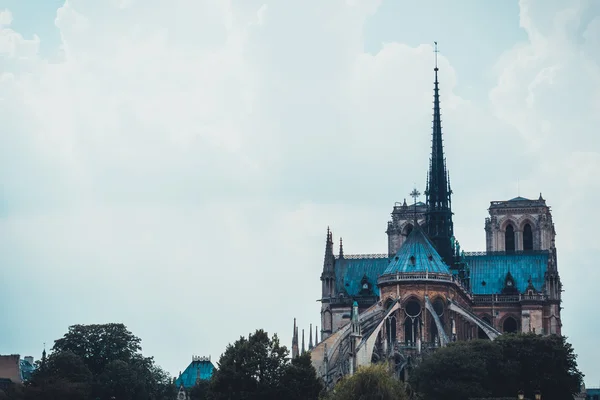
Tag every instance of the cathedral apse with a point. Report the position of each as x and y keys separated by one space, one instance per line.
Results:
x=425 y=290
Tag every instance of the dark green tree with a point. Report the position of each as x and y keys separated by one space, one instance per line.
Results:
x=533 y=362
x=99 y=362
x=98 y=345
x=62 y=376
x=300 y=381
x=459 y=371
x=375 y=382
x=200 y=391
x=250 y=369
x=500 y=368
x=259 y=368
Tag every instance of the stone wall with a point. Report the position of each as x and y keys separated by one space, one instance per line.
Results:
x=10 y=368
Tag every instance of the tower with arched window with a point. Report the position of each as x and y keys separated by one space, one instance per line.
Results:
x=520 y=225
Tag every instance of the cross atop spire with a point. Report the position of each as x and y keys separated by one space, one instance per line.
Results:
x=415 y=195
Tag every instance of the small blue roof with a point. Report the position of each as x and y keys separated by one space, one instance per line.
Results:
x=202 y=369
x=417 y=254
x=350 y=270
x=592 y=394
x=488 y=272
x=519 y=198
x=26 y=369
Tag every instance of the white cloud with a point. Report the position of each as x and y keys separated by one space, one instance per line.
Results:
x=178 y=167
x=5 y=17
x=549 y=90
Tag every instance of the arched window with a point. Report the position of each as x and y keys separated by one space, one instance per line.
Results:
x=412 y=322
x=510 y=325
x=408 y=229
x=527 y=238
x=509 y=238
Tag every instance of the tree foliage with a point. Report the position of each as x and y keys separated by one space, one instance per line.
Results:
x=258 y=368
x=98 y=345
x=98 y=362
x=300 y=379
x=500 y=368
x=375 y=382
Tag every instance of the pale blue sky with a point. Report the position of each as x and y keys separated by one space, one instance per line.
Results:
x=174 y=165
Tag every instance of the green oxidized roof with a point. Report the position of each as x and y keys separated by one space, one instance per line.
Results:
x=200 y=368
x=417 y=255
x=350 y=270
x=489 y=270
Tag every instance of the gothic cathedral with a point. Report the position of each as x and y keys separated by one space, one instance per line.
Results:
x=425 y=291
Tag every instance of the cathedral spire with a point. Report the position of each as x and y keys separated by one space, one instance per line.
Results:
x=328 y=275
x=341 y=248
x=328 y=250
x=310 y=342
x=438 y=217
x=295 y=341
x=303 y=346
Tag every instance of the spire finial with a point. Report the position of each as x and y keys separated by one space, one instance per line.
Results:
x=436 y=51
x=341 y=248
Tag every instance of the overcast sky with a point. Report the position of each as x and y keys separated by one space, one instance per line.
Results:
x=174 y=165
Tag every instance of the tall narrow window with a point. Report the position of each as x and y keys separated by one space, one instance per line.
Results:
x=412 y=322
x=409 y=229
x=509 y=238
x=391 y=330
x=527 y=238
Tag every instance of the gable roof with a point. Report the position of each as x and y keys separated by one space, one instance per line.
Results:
x=417 y=255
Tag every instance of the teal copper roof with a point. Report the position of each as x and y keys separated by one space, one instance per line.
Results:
x=350 y=270
x=488 y=271
x=27 y=369
x=200 y=367
x=417 y=255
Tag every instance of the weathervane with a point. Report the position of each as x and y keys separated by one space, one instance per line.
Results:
x=436 y=51
x=415 y=194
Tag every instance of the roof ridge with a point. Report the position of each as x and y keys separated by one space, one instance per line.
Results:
x=364 y=256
